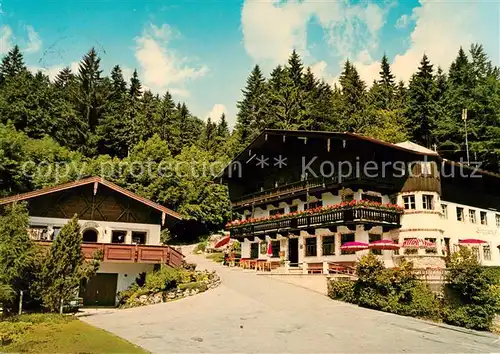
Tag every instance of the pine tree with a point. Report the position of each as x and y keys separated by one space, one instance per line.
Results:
x=251 y=109
x=353 y=99
x=422 y=105
x=222 y=127
x=12 y=64
x=64 y=78
x=167 y=125
x=89 y=75
x=118 y=82
x=135 y=86
x=382 y=91
x=295 y=69
x=285 y=108
x=64 y=267
x=17 y=252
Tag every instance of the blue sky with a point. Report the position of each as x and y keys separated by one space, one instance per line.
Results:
x=203 y=51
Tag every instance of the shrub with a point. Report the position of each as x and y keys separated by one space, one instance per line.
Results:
x=201 y=246
x=471 y=295
x=188 y=266
x=194 y=285
x=419 y=301
x=342 y=290
x=394 y=290
x=165 y=279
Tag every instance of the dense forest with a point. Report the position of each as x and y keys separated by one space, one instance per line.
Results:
x=87 y=123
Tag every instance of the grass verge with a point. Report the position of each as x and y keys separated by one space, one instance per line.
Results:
x=51 y=333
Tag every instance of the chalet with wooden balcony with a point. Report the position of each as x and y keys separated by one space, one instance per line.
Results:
x=307 y=193
x=123 y=225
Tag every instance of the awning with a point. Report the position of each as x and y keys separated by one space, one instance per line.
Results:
x=354 y=246
x=417 y=243
x=383 y=245
x=471 y=242
x=222 y=242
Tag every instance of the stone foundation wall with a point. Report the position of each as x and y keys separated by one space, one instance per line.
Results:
x=212 y=282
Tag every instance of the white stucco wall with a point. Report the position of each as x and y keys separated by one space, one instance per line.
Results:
x=457 y=230
x=418 y=223
x=105 y=228
x=127 y=272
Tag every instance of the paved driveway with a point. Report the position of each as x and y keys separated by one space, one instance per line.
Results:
x=251 y=313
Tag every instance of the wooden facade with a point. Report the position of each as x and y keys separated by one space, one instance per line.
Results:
x=124 y=253
x=105 y=205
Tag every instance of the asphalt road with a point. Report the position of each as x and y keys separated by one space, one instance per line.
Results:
x=252 y=313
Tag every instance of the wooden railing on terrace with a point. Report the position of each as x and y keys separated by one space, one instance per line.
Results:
x=125 y=253
x=288 y=188
x=335 y=217
x=302 y=186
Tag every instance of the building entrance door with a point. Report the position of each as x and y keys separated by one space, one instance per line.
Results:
x=100 y=290
x=293 y=251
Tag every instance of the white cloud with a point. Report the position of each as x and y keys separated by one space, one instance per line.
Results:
x=440 y=29
x=403 y=21
x=34 y=43
x=319 y=69
x=272 y=29
x=216 y=112
x=5 y=39
x=50 y=71
x=162 y=67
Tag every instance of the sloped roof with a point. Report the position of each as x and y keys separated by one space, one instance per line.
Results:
x=85 y=181
x=260 y=139
x=409 y=145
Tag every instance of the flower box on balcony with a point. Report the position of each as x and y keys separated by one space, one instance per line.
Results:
x=344 y=206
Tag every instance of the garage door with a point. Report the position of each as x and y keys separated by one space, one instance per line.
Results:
x=100 y=290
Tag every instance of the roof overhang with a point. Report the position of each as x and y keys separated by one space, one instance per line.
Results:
x=96 y=181
x=265 y=134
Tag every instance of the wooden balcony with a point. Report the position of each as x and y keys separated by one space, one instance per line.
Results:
x=124 y=253
x=299 y=189
x=388 y=219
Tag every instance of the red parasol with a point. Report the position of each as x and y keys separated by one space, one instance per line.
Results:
x=222 y=242
x=383 y=245
x=269 y=249
x=354 y=246
x=471 y=242
x=418 y=243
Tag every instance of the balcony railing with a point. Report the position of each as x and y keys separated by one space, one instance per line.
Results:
x=124 y=253
x=335 y=217
x=310 y=184
x=285 y=189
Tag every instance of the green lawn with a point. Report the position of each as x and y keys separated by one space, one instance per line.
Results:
x=50 y=333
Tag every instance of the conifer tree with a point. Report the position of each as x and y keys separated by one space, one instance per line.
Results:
x=64 y=267
x=17 y=252
x=89 y=75
x=64 y=78
x=295 y=69
x=251 y=109
x=422 y=104
x=382 y=91
x=135 y=86
x=222 y=127
x=118 y=82
x=12 y=64
x=353 y=99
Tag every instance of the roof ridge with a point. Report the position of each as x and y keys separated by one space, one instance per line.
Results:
x=85 y=181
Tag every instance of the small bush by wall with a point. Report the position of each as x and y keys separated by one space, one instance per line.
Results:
x=342 y=290
x=391 y=290
x=472 y=297
x=168 y=284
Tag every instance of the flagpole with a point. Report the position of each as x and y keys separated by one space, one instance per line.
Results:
x=464 y=118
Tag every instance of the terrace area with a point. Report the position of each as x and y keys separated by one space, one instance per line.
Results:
x=346 y=214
